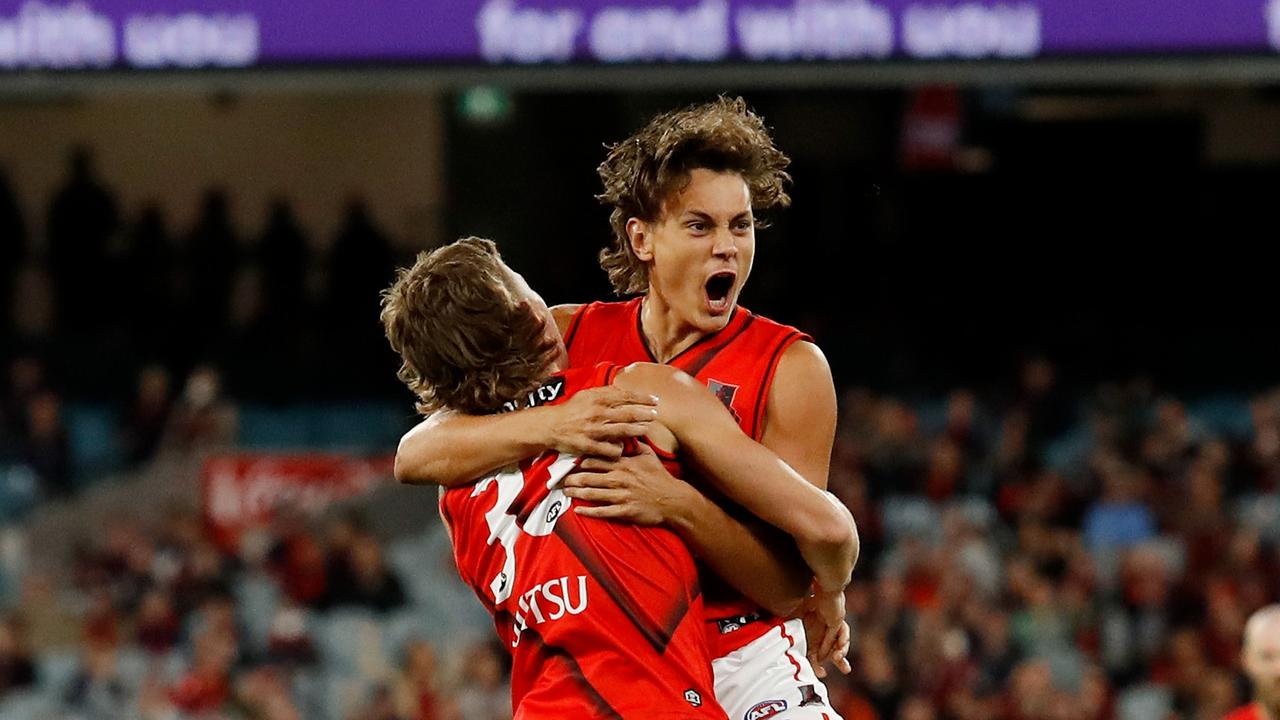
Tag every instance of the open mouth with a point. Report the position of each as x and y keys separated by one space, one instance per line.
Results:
x=719 y=288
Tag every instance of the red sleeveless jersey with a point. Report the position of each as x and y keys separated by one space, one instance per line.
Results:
x=737 y=364
x=602 y=619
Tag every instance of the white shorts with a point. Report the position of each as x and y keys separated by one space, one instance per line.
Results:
x=770 y=677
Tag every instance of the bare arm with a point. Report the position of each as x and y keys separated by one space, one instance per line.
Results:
x=757 y=559
x=800 y=423
x=755 y=477
x=800 y=426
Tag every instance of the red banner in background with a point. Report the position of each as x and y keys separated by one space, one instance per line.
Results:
x=239 y=492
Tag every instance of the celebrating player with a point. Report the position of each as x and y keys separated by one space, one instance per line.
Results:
x=1261 y=660
x=603 y=619
x=684 y=192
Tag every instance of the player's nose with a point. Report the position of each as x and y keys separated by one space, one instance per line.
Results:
x=724 y=244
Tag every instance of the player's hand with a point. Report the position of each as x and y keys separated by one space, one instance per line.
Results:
x=596 y=421
x=827 y=632
x=636 y=488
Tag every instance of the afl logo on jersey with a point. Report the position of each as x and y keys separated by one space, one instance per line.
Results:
x=725 y=393
x=553 y=512
x=766 y=709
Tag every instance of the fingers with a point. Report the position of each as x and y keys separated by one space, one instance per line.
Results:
x=621 y=431
x=840 y=655
x=604 y=512
x=597 y=480
x=596 y=465
x=619 y=396
x=597 y=448
x=602 y=496
x=815 y=661
x=613 y=396
x=829 y=639
x=630 y=413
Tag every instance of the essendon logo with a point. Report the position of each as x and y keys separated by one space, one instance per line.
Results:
x=766 y=709
x=725 y=393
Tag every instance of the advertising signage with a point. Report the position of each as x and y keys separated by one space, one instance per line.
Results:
x=156 y=34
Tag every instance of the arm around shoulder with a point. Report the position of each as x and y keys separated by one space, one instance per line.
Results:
x=452 y=449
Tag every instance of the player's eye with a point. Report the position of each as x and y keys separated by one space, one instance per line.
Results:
x=744 y=225
x=698 y=227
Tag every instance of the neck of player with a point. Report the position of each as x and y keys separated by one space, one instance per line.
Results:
x=665 y=332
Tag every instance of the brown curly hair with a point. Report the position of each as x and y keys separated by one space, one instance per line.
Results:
x=641 y=172
x=465 y=339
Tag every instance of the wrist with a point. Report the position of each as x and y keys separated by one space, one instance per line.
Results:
x=539 y=429
x=681 y=509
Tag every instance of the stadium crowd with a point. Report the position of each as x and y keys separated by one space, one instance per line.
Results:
x=1031 y=551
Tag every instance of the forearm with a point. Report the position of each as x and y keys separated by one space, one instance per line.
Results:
x=823 y=528
x=833 y=559
x=461 y=448
x=758 y=561
x=757 y=480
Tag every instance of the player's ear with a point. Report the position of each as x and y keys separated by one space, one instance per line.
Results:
x=641 y=241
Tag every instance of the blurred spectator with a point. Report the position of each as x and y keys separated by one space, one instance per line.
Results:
x=158 y=626
x=1119 y=518
x=380 y=705
x=147 y=282
x=210 y=256
x=204 y=579
x=1042 y=401
x=1263 y=452
x=298 y=563
x=283 y=256
x=203 y=418
x=13 y=235
x=416 y=694
x=34 y=307
x=102 y=620
x=287 y=640
x=264 y=693
x=365 y=580
x=97 y=690
x=206 y=687
x=51 y=624
x=143 y=425
x=17 y=666
x=26 y=379
x=359 y=267
x=48 y=449
x=82 y=220
x=485 y=693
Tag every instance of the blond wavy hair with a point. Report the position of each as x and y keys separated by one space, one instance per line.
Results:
x=466 y=341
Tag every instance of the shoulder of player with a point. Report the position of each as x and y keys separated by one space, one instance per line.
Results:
x=563 y=315
x=801 y=386
x=803 y=363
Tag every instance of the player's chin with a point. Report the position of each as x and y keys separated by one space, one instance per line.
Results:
x=710 y=321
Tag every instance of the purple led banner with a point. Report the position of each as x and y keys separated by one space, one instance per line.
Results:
x=78 y=34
